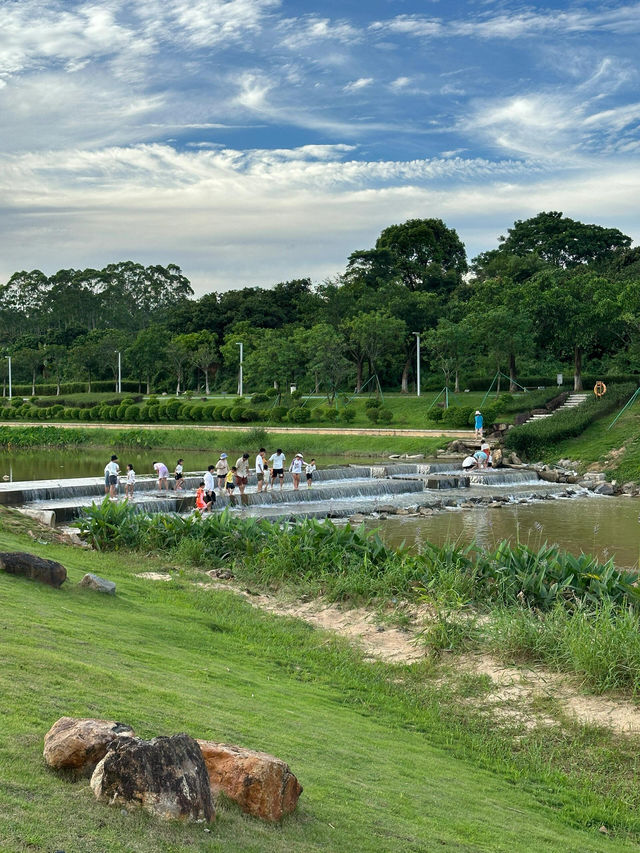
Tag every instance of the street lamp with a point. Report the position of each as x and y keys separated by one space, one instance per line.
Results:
x=239 y=343
x=417 y=334
x=119 y=391
x=9 y=357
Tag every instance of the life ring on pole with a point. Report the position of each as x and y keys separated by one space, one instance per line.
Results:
x=599 y=389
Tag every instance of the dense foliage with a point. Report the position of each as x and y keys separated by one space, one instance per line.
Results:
x=345 y=563
x=554 y=294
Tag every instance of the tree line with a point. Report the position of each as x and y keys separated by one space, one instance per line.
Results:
x=554 y=292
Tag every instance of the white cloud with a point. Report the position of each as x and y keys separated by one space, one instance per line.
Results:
x=299 y=33
x=360 y=83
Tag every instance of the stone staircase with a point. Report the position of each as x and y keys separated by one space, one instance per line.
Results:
x=570 y=403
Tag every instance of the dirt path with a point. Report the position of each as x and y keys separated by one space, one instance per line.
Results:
x=515 y=692
x=407 y=433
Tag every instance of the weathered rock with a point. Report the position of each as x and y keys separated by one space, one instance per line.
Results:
x=165 y=776
x=261 y=784
x=358 y=518
x=92 y=581
x=514 y=459
x=72 y=744
x=549 y=476
x=604 y=489
x=37 y=568
x=630 y=488
x=497 y=457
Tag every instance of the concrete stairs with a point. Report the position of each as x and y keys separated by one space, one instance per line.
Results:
x=570 y=403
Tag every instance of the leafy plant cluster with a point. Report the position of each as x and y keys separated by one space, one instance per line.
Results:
x=534 y=437
x=354 y=563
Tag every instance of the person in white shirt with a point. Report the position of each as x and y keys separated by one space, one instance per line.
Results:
x=209 y=486
x=179 y=475
x=112 y=470
x=261 y=467
x=130 y=483
x=277 y=460
x=309 y=470
x=222 y=469
x=296 y=469
x=163 y=475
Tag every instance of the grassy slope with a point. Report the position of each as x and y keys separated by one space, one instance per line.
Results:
x=379 y=774
x=617 y=448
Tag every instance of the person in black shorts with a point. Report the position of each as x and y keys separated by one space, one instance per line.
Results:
x=178 y=474
x=277 y=460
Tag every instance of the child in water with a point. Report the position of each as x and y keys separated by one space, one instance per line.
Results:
x=130 y=482
x=201 y=502
x=309 y=470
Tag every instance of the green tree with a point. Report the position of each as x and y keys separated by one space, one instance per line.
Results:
x=32 y=360
x=56 y=358
x=564 y=242
x=450 y=345
x=323 y=348
x=375 y=336
x=148 y=353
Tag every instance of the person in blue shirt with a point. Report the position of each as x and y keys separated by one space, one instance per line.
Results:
x=479 y=422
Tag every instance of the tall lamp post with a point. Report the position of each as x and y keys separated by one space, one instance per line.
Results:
x=119 y=370
x=240 y=389
x=417 y=334
x=9 y=357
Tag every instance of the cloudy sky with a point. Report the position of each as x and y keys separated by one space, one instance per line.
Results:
x=255 y=141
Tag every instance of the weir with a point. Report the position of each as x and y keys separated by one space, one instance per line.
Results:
x=335 y=491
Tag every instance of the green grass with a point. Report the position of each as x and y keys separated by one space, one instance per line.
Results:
x=616 y=450
x=389 y=759
x=191 y=438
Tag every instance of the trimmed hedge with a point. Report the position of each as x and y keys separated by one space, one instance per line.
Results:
x=532 y=439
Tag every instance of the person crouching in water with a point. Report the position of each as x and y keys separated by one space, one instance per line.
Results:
x=309 y=470
x=201 y=501
x=469 y=463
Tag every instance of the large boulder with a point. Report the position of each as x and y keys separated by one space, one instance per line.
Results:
x=78 y=745
x=30 y=566
x=262 y=785
x=165 y=776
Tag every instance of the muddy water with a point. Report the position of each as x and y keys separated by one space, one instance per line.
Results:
x=604 y=526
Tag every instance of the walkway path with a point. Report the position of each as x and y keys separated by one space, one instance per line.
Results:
x=407 y=433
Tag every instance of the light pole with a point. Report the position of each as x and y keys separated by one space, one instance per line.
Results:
x=9 y=357
x=240 y=374
x=417 y=334
x=119 y=370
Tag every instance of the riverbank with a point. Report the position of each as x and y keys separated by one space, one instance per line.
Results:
x=382 y=750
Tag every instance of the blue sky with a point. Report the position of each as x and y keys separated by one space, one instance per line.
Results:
x=254 y=141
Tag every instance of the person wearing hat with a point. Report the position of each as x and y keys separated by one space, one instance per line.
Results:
x=296 y=469
x=222 y=469
x=479 y=422
x=111 y=472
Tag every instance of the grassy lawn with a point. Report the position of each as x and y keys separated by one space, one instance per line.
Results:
x=383 y=764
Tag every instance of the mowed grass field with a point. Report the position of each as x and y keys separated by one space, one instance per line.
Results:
x=380 y=770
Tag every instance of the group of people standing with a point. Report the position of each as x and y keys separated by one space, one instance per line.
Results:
x=221 y=477
x=268 y=472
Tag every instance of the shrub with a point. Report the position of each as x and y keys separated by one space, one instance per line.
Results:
x=332 y=415
x=348 y=415
x=173 y=410
x=144 y=412
x=270 y=393
x=259 y=398
x=435 y=414
x=127 y=401
x=196 y=413
x=237 y=413
x=251 y=414
x=207 y=412
x=457 y=417
x=217 y=413
x=278 y=413
x=373 y=403
x=385 y=416
x=132 y=413
x=373 y=415
x=299 y=415
x=120 y=412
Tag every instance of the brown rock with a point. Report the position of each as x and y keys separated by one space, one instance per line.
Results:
x=165 y=776
x=549 y=476
x=72 y=744
x=36 y=568
x=261 y=784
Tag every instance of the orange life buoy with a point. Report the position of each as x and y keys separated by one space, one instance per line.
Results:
x=599 y=389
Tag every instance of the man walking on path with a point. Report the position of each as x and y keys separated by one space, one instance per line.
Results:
x=479 y=423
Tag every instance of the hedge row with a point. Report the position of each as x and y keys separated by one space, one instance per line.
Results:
x=532 y=439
